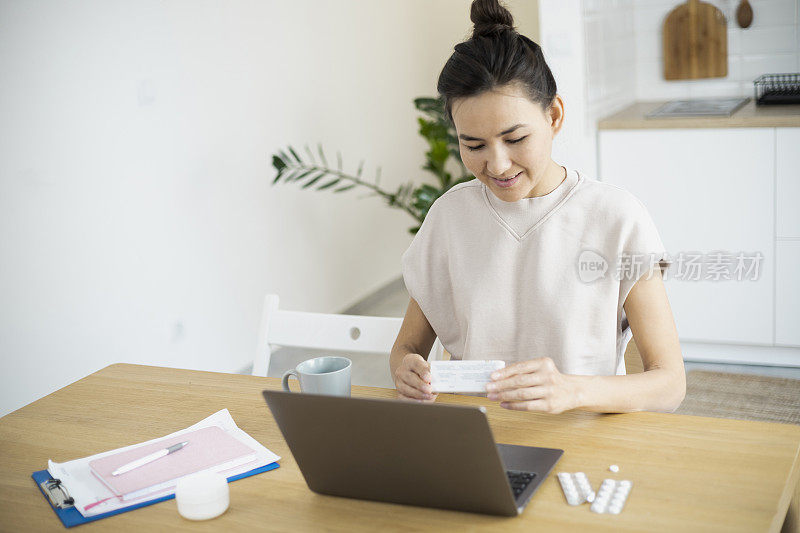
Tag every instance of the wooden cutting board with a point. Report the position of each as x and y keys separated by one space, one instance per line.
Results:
x=695 y=42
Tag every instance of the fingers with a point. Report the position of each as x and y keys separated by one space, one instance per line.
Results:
x=531 y=405
x=522 y=394
x=515 y=382
x=406 y=392
x=413 y=386
x=412 y=379
x=411 y=392
x=419 y=366
x=410 y=399
x=523 y=367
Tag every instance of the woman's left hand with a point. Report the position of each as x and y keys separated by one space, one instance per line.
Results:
x=534 y=385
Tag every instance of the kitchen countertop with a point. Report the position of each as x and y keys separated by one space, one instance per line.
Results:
x=748 y=116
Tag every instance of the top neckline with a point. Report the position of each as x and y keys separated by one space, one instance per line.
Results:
x=522 y=217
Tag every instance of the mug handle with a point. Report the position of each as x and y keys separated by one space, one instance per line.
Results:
x=285 y=379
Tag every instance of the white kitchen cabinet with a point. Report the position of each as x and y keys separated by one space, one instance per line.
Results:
x=708 y=190
x=788 y=176
x=787 y=305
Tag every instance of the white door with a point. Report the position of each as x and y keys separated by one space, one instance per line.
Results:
x=787 y=282
x=787 y=306
x=788 y=174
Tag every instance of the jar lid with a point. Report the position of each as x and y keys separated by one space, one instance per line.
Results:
x=201 y=488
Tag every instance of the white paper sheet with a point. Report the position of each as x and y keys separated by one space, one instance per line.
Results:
x=86 y=488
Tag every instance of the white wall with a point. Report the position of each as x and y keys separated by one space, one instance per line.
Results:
x=770 y=45
x=610 y=56
x=563 y=43
x=137 y=219
x=607 y=54
x=628 y=35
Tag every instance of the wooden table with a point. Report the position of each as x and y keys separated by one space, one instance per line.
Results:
x=688 y=473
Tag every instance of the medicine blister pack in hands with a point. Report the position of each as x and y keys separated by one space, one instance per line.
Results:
x=463 y=376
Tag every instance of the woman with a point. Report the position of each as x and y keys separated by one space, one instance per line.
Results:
x=532 y=262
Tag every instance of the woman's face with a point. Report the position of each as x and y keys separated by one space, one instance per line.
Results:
x=502 y=134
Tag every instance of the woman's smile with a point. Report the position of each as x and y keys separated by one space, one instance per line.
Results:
x=508 y=182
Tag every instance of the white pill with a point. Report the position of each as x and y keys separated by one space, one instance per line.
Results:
x=614 y=468
x=590 y=497
x=625 y=483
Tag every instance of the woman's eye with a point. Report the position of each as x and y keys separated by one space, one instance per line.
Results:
x=510 y=141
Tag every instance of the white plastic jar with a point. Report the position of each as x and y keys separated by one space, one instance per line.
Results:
x=202 y=496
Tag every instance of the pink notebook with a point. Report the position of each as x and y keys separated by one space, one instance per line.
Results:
x=207 y=447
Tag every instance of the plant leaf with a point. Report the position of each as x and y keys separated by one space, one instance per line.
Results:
x=360 y=168
x=290 y=174
x=278 y=163
x=432 y=130
x=303 y=174
x=313 y=180
x=322 y=155
x=346 y=187
x=439 y=151
x=285 y=158
x=310 y=155
x=329 y=184
x=295 y=155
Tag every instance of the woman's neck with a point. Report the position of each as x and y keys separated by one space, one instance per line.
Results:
x=554 y=176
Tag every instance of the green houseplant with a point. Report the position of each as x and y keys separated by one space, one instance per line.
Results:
x=416 y=201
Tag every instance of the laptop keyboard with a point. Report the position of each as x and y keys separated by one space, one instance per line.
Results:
x=519 y=480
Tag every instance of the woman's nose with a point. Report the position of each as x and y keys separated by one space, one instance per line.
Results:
x=498 y=164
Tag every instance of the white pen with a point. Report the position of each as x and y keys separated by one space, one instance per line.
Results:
x=149 y=458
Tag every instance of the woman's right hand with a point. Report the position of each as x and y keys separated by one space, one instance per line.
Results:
x=412 y=379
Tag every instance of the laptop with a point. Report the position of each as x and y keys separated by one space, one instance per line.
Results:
x=424 y=454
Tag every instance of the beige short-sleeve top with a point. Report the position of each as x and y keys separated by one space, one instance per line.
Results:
x=519 y=280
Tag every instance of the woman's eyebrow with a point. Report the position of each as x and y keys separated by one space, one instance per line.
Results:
x=509 y=130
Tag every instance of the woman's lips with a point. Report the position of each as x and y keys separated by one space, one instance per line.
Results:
x=506 y=184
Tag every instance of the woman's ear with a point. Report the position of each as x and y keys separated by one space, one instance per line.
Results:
x=556 y=114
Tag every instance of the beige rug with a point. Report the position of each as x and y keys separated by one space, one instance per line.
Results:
x=741 y=396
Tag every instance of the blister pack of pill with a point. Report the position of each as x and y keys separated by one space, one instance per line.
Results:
x=612 y=496
x=463 y=376
x=576 y=488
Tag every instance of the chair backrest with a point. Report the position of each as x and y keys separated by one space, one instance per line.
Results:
x=353 y=333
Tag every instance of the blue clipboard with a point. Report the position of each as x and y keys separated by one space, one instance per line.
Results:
x=71 y=517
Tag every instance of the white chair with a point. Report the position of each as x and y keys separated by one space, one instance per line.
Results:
x=353 y=333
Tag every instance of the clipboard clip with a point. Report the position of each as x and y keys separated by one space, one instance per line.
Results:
x=57 y=493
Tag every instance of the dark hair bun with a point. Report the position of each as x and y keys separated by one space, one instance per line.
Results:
x=490 y=17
